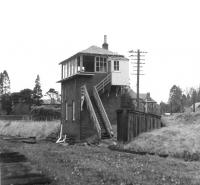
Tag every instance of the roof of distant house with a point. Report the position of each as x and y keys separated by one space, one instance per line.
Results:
x=95 y=50
x=142 y=96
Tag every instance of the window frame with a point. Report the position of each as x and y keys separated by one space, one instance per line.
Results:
x=116 y=65
x=101 y=64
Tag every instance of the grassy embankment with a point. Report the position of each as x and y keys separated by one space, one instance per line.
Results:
x=180 y=138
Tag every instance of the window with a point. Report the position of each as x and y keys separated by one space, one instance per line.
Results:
x=64 y=67
x=73 y=110
x=68 y=69
x=101 y=64
x=63 y=72
x=97 y=64
x=78 y=64
x=104 y=65
x=66 y=110
x=116 y=65
x=72 y=67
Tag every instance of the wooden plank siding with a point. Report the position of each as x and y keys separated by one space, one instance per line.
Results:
x=131 y=123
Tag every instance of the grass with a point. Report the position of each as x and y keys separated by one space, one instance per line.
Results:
x=180 y=138
x=95 y=165
x=24 y=128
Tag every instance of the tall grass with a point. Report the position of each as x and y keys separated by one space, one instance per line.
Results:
x=180 y=138
x=24 y=128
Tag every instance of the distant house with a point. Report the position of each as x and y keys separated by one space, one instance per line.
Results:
x=197 y=107
x=91 y=81
x=147 y=103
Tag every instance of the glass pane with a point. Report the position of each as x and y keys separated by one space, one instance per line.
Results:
x=101 y=66
x=97 y=68
x=105 y=67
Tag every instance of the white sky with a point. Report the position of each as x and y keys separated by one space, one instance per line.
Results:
x=35 y=35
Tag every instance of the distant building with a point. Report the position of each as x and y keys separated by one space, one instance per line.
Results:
x=196 y=107
x=91 y=81
x=147 y=103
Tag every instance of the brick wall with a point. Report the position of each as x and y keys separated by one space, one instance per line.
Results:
x=82 y=127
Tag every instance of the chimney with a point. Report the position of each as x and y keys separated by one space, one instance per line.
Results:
x=105 y=45
x=148 y=96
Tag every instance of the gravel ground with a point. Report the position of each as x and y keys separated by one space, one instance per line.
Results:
x=76 y=164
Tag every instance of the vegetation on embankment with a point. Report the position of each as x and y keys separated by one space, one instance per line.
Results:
x=24 y=128
x=180 y=138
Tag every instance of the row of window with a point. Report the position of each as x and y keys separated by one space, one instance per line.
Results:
x=102 y=64
x=70 y=112
x=69 y=68
x=99 y=64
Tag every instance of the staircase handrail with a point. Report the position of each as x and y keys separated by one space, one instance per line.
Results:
x=91 y=110
x=103 y=82
x=102 y=111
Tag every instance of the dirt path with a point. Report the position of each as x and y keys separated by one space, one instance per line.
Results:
x=89 y=165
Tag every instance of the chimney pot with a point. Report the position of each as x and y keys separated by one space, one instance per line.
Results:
x=105 y=44
x=105 y=38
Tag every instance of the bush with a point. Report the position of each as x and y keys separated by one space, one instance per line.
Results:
x=42 y=113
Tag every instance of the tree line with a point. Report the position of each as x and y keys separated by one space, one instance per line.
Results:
x=179 y=100
x=31 y=97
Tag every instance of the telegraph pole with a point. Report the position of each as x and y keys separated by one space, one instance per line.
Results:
x=138 y=79
x=138 y=70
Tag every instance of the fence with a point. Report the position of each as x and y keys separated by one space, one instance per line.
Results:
x=131 y=123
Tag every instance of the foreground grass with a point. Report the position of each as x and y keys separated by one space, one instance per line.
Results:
x=24 y=128
x=180 y=138
x=88 y=165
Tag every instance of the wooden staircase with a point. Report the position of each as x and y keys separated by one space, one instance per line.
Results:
x=91 y=110
x=104 y=133
x=103 y=83
x=96 y=108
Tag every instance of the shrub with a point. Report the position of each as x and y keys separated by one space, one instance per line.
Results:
x=42 y=113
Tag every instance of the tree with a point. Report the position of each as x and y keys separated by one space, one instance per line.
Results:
x=6 y=103
x=1 y=83
x=194 y=98
x=53 y=94
x=175 y=99
x=188 y=102
x=4 y=83
x=26 y=96
x=184 y=101
x=164 y=107
x=15 y=97
x=198 y=95
x=37 y=92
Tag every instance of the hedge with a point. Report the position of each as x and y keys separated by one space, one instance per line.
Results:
x=42 y=113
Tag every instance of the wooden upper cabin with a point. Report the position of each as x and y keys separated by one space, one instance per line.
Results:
x=85 y=78
x=97 y=60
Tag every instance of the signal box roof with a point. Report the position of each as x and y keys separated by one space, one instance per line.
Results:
x=95 y=50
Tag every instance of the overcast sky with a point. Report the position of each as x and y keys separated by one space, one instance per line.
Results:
x=35 y=35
